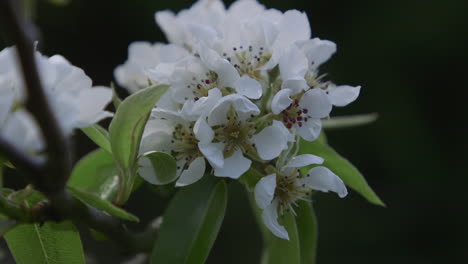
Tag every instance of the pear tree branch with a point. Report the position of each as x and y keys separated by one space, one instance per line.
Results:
x=50 y=178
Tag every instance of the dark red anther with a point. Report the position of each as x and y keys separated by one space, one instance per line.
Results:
x=305 y=110
x=198 y=86
x=289 y=125
x=305 y=119
x=196 y=99
x=299 y=124
x=207 y=81
x=299 y=118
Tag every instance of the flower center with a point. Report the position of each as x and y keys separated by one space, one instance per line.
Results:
x=294 y=114
x=288 y=191
x=248 y=60
x=185 y=144
x=236 y=134
x=201 y=86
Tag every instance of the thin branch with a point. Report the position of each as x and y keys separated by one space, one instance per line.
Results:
x=23 y=33
x=51 y=178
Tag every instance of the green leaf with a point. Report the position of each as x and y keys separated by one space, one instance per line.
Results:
x=115 y=97
x=98 y=135
x=51 y=243
x=126 y=128
x=103 y=205
x=281 y=251
x=308 y=231
x=161 y=168
x=250 y=179
x=275 y=249
x=96 y=173
x=349 y=121
x=341 y=167
x=191 y=223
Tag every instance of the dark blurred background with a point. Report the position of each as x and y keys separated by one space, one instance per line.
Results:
x=409 y=57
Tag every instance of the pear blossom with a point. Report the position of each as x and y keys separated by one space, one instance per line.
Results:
x=279 y=192
x=229 y=133
x=74 y=101
x=143 y=57
x=169 y=132
x=172 y=132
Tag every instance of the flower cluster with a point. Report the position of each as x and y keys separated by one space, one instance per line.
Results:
x=244 y=88
x=68 y=89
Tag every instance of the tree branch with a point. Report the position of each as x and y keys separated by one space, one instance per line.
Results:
x=51 y=177
x=23 y=33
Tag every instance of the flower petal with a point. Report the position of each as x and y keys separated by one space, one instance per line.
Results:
x=281 y=101
x=270 y=219
x=248 y=87
x=310 y=129
x=293 y=64
x=234 y=166
x=213 y=152
x=324 y=180
x=318 y=51
x=317 y=103
x=272 y=140
x=193 y=110
x=243 y=106
x=303 y=160
x=203 y=131
x=265 y=191
x=193 y=173
x=343 y=95
x=92 y=103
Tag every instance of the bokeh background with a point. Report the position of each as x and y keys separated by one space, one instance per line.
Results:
x=409 y=57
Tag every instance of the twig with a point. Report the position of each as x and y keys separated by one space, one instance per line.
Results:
x=51 y=178
x=23 y=33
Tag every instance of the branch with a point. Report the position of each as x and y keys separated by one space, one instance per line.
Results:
x=23 y=33
x=51 y=177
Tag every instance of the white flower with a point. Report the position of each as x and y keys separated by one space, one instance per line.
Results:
x=74 y=102
x=302 y=112
x=279 y=192
x=229 y=134
x=169 y=132
x=143 y=57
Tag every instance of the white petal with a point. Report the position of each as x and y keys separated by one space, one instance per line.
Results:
x=270 y=219
x=281 y=101
x=243 y=106
x=265 y=191
x=193 y=173
x=296 y=85
x=248 y=87
x=318 y=51
x=156 y=141
x=228 y=75
x=193 y=110
x=272 y=140
x=310 y=130
x=343 y=95
x=213 y=152
x=92 y=103
x=304 y=160
x=6 y=102
x=203 y=131
x=234 y=166
x=293 y=64
x=323 y=179
x=317 y=103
